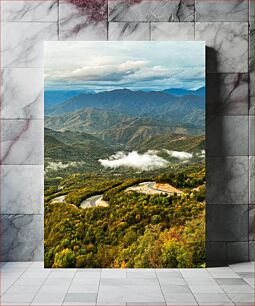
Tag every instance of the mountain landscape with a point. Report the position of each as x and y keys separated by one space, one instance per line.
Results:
x=115 y=115
x=88 y=127
x=124 y=162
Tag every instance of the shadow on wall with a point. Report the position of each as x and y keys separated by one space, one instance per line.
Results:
x=226 y=221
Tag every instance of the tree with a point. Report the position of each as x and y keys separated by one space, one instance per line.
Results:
x=64 y=259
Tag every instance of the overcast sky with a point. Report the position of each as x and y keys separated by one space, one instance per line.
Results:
x=134 y=65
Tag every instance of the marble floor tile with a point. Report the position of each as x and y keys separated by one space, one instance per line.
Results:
x=11 y=273
x=246 y=274
x=180 y=299
x=6 y=284
x=172 y=281
x=56 y=284
x=243 y=267
x=22 y=189
x=129 y=31
x=151 y=10
x=250 y=282
x=172 y=31
x=242 y=299
x=84 y=285
x=191 y=273
x=197 y=284
x=169 y=273
x=227 y=43
x=199 y=289
x=142 y=281
x=136 y=294
x=110 y=295
x=169 y=289
x=63 y=273
x=19 y=293
x=93 y=273
x=229 y=175
x=44 y=298
x=30 y=281
x=170 y=278
x=23 y=43
x=234 y=10
x=79 y=20
x=230 y=281
x=16 y=265
x=141 y=273
x=155 y=303
x=114 y=273
x=213 y=299
x=212 y=289
x=85 y=298
x=237 y=289
x=22 y=142
x=30 y=274
x=22 y=10
x=227 y=94
x=222 y=272
x=22 y=93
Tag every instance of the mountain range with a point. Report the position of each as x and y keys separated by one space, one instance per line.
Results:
x=183 y=92
x=92 y=126
x=106 y=109
x=54 y=97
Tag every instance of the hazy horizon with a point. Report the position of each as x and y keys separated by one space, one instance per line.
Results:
x=147 y=67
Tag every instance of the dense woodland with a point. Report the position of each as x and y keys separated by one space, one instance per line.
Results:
x=135 y=230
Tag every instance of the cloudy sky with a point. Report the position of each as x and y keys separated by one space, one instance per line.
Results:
x=134 y=65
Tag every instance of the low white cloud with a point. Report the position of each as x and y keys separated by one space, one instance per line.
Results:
x=59 y=166
x=202 y=153
x=146 y=161
x=179 y=154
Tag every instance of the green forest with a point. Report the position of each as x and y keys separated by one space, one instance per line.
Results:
x=135 y=230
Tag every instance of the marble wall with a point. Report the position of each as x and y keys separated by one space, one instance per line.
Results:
x=228 y=29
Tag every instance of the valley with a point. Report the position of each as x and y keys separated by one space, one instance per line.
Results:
x=125 y=176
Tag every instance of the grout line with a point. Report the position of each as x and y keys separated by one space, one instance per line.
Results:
x=40 y=286
x=16 y=279
x=189 y=287
x=223 y=288
x=70 y=285
x=98 y=287
x=160 y=286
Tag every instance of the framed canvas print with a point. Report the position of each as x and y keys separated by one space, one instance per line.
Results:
x=124 y=154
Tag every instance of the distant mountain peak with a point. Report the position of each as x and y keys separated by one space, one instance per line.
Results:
x=183 y=92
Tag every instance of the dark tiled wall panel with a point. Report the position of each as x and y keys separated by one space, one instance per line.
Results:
x=228 y=29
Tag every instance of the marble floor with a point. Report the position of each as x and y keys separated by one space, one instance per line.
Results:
x=28 y=283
